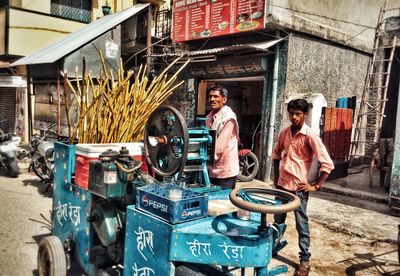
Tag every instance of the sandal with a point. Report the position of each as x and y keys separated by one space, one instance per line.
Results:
x=303 y=270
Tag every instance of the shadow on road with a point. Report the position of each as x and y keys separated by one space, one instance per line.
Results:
x=286 y=261
x=368 y=264
x=44 y=188
x=38 y=238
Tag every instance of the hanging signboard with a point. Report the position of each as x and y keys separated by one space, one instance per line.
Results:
x=195 y=19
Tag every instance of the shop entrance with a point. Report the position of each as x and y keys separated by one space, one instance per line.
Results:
x=245 y=99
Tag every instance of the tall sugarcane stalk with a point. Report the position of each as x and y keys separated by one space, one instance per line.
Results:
x=116 y=109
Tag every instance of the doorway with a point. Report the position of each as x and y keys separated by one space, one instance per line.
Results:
x=245 y=97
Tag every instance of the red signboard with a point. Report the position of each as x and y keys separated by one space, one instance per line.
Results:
x=194 y=19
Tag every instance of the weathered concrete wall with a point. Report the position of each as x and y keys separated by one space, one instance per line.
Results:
x=318 y=67
x=349 y=22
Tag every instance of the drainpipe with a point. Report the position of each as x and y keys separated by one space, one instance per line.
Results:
x=148 y=41
x=271 y=125
x=269 y=7
x=31 y=103
x=394 y=191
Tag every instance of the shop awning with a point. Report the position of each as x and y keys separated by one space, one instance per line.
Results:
x=259 y=46
x=77 y=39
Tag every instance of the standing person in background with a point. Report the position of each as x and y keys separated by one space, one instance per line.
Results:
x=293 y=155
x=223 y=120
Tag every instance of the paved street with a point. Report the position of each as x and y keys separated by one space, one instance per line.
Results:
x=21 y=224
x=350 y=237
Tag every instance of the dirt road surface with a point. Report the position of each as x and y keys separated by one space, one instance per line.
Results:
x=349 y=236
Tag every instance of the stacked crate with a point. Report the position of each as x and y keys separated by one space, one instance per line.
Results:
x=336 y=135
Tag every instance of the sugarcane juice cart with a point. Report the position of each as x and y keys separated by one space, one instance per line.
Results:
x=127 y=223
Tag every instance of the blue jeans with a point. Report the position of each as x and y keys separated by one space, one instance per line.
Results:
x=301 y=224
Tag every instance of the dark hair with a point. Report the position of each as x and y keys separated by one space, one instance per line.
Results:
x=299 y=104
x=217 y=88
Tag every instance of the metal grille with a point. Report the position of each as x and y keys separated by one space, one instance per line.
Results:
x=72 y=9
x=163 y=24
x=4 y=3
x=7 y=109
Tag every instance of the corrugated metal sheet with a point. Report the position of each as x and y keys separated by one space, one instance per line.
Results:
x=263 y=46
x=79 y=38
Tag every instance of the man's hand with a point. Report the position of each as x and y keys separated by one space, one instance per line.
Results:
x=307 y=187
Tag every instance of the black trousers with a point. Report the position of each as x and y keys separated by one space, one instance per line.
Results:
x=224 y=183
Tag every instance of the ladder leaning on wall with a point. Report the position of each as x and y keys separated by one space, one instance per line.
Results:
x=374 y=97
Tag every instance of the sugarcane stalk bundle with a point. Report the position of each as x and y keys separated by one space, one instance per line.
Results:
x=115 y=110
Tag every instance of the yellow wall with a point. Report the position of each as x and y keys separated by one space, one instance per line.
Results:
x=16 y=3
x=2 y=31
x=116 y=5
x=29 y=32
x=33 y=5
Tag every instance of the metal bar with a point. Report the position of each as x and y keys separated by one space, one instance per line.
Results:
x=148 y=41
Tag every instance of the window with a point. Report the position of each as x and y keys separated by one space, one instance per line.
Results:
x=72 y=9
x=4 y=3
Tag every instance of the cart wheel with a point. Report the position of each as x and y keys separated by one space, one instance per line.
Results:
x=51 y=257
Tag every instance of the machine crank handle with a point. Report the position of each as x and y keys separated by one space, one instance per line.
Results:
x=128 y=171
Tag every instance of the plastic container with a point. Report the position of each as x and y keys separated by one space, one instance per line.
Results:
x=172 y=203
x=90 y=152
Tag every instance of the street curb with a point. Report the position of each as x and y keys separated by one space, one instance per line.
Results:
x=334 y=189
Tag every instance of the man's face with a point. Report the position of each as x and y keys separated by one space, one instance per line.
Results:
x=297 y=117
x=216 y=100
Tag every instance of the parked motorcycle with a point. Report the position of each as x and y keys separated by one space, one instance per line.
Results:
x=248 y=161
x=8 y=153
x=42 y=150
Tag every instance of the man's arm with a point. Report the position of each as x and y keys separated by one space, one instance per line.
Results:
x=324 y=159
x=312 y=188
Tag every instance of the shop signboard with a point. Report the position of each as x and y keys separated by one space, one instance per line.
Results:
x=12 y=81
x=196 y=19
x=228 y=68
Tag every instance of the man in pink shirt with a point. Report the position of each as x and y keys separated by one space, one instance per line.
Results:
x=293 y=154
x=223 y=120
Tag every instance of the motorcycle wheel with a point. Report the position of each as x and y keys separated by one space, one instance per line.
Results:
x=13 y=169
x=39 y=168
x=249 y=166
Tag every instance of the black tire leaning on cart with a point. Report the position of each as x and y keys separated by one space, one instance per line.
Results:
x=51 y=257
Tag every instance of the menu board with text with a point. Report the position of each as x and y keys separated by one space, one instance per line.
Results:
x=195 y=19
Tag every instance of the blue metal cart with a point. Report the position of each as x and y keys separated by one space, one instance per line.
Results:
x=120 y=226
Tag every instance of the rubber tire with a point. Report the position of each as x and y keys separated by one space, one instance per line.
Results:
x=250 y=177
x=36 y=162
x=51 y=257
x=13 y=169
x=292 y=204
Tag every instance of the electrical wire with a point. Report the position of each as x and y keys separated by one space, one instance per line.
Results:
x=204 y=44
x=322 y=16
x=354 y=36
x=254 y=136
